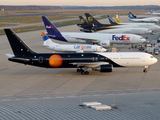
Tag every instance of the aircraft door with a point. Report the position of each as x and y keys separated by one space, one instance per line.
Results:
x=133 y=39
x=40 y=59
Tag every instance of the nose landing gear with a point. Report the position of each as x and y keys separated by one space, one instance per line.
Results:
x=145 y=69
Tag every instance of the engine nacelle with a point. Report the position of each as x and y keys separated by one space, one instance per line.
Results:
x=104 y=68
x=104 y=43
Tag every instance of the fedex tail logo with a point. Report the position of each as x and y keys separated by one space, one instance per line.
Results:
x=49 y=27
x=123 y=38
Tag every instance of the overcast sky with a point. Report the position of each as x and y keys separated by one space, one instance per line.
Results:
x=80 y=2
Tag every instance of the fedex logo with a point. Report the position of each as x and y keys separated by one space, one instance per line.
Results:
x=82 y=47
x=104 y=44
x=49 y=27
x=123 y=37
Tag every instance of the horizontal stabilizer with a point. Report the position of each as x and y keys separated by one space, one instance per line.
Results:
x=10 y=55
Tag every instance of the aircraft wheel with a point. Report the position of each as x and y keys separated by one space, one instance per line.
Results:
x=82 y=72
x=145 y=70
x=78 y=70
x=86 y=72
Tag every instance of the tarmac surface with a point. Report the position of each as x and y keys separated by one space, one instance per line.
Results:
x=28 y=92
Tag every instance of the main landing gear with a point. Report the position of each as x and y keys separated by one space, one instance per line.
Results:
x=83 y=72
x=145 y=69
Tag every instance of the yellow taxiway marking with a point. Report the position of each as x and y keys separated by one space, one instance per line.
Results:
x=64 y=75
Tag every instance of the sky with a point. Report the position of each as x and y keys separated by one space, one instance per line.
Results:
x=80 y=2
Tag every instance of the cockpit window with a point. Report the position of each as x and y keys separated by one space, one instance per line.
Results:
x=141 y=38
x=151 y=56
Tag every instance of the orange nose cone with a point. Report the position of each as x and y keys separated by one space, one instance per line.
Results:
x=55 y=61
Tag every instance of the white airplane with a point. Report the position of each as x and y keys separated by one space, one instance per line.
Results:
x=153 y=13
x=144 y=17
x=128 y=30
x=151 y=26
x=103 y=62
x=147 y=20
x=79 y=48
x=102 y=39
x=94 y=26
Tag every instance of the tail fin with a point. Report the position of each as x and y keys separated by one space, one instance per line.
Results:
x=91 y=19
x=151 y=11
x=130 y=16
x=83 y=21
x=112 y=21
x=19 y=48
x=133 y=15
x=46 y=40
x=52 y=31
x=117 y=20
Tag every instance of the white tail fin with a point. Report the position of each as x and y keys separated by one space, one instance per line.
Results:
x=46 y=40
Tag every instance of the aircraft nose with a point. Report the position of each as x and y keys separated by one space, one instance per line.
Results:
x=143 y=40
x=149 y=31
x=158 y=27
x=155 y=60
x=104 y=50
x=156 y=20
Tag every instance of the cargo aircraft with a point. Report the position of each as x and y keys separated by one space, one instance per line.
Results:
x=84 y=23
x=113 y=27
x=103 y=62
x=153 y=13
x=158 y=18
x=79 y=48
x=102 y=39
x=146 y=20
x=151 y=26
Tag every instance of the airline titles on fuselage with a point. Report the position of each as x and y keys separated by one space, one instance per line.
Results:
x=123 y=37
x=82 y=47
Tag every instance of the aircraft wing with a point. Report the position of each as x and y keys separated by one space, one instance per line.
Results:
x=89 y=64
x=87 y=39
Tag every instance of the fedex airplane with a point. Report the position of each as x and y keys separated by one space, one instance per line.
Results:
x=102 y=39
x=147 y=20
x=103 y=62
x=47 y=42
x=153 y=13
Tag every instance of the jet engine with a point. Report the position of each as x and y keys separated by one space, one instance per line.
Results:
x=104 y=68
x=104 y=43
